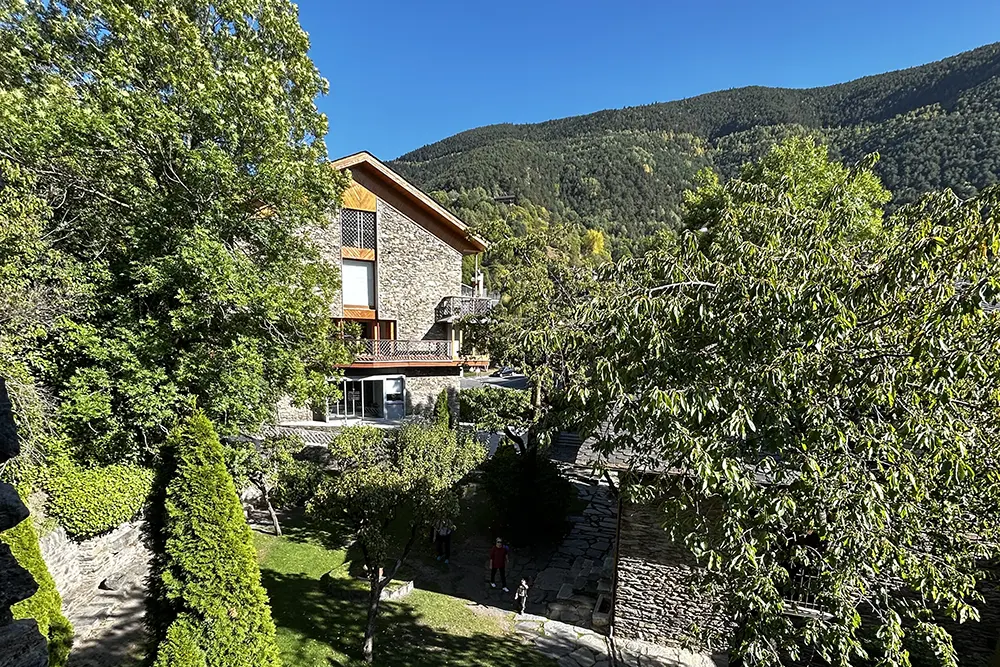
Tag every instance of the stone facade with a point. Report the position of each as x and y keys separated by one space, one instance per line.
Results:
x=654 y=598
x=327 y=240
x=423 y=389
x=415 y=270
x=286 y=412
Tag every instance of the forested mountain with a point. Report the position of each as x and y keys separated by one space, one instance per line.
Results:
x=623 y=171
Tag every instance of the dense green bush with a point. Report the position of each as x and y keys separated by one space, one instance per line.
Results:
x=45 y=606
x=208 y=606
x=442 y=410
x=493 y=408
x=91 y=501
x=180 y=648
x=528 y=497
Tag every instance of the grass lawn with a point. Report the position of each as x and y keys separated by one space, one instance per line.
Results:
x=323 y=623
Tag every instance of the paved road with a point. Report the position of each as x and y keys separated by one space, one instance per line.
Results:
x=512 y=382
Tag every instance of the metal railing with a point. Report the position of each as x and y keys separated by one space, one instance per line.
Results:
x=802 y=594
x=456 y=307
x=405 y=350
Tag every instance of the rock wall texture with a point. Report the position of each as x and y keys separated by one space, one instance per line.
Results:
x=328 y=240
x=654 y=598
x=286 y=412
x=102 y=582
x=415 y=271
x=422 y=390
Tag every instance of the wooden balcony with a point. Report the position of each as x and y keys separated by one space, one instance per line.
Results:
x=385 y=353
x=454 y=308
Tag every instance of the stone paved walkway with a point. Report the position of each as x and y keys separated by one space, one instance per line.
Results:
x=573 y=646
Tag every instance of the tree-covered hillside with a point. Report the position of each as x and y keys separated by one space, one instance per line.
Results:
x=623 y=170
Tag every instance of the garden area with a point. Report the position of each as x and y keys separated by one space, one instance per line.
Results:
x=319 y=608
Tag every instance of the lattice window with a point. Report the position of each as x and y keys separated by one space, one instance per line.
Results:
x=357 y=228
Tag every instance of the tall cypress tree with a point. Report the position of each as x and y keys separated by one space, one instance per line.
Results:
x=208 y=605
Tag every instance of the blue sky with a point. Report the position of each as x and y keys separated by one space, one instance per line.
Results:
x=404 y=73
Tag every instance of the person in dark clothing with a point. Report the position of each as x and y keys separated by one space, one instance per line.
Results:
x=498 y=563
x=442 y=537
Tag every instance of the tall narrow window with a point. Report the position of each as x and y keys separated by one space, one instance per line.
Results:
x=359 y=283
x=357 y=228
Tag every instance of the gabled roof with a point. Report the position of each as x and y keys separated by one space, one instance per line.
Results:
x=373 y=174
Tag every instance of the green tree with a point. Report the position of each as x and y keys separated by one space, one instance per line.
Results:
x=207 y=605
x=176 y=154
x=271 y=467
x=827 y=380
x=388 y=477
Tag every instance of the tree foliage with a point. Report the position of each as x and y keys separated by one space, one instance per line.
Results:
x=165 y=162
x=207 y=604
x=385 y=473
x=272 y=468
x=827 y=379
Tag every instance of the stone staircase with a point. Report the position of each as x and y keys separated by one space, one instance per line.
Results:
x=581 y=570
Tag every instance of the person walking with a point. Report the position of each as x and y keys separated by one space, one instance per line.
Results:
x=443 y=540
x=522 y=594
x=498 y=563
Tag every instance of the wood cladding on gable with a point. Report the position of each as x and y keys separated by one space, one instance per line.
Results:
x=358 y=313
x=358 y=253
x=359 y=197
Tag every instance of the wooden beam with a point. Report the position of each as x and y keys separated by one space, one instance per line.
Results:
x=366 y=254
x=358 y=313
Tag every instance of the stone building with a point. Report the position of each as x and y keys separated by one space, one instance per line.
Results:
x=654 y=596
x=400 y=256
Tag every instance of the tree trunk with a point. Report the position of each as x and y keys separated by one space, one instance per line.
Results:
x=274 y=516
x=374 y=597
x=265 y=492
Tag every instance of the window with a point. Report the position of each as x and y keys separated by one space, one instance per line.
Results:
x=357 y=229
x=359 y=283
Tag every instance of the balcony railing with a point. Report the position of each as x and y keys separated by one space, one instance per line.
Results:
x=454 y=308
x=405 y=350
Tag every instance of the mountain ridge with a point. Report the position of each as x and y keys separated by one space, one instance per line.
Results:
x=934 y=124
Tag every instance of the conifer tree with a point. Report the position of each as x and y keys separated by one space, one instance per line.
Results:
x=208 y=606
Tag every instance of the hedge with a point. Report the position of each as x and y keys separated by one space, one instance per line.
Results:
x=91 y=501
x=45 y=606
x=180 y=647
x=209 y=606
x=493 y=408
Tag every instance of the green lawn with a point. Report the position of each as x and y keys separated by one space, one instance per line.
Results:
x=322 y=624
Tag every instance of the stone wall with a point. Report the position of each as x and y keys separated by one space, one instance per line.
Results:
x=286 y=412
x=415 y=271
x=422 y=391
x=85 y=571
x=654 y=598
x=328 y=240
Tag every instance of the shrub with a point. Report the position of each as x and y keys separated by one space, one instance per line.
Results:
x=207 y=593
x=91 y=501
x=493 y=408
x=442 y=411
x=180 y=647
x=528 y=497
x=45 y=606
